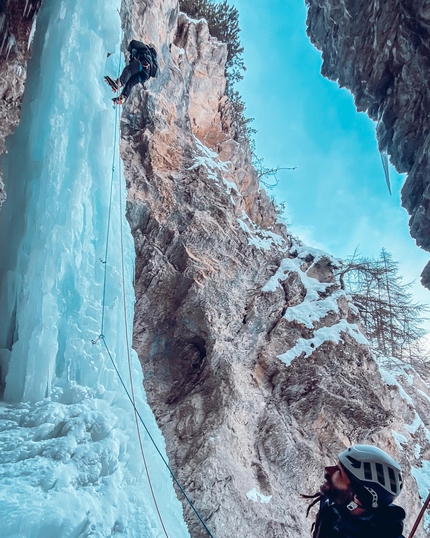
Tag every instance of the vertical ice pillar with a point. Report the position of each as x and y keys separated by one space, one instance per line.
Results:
x=54 y=224
x=64 y=244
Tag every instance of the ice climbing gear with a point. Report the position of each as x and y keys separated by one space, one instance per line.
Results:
x=112 y=83
x=420 y=516
x=375 y=470
x=119 y=100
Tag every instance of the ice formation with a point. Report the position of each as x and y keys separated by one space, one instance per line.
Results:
x=70 y=460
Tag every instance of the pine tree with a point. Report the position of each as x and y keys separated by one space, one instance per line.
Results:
x=392 y=320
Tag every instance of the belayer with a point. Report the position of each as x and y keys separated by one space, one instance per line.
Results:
x=143 y=65
x=355 y=498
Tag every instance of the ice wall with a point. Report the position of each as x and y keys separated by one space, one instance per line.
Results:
x=70 y=462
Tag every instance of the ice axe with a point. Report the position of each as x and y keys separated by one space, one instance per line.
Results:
x=420 y=516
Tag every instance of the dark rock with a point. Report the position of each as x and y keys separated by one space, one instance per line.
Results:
x=380 y=51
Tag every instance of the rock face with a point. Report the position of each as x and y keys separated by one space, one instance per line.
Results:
x=254 y=361
x=380 y=52
x=16 y=20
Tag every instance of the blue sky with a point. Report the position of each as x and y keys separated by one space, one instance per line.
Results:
x=337 y=198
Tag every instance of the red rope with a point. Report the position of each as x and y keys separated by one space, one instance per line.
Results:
x=420 y=516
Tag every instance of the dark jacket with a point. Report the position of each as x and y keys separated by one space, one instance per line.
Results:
x=337 y=522
x=145 y=54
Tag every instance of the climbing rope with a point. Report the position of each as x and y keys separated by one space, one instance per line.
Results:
x=101 y=336
x=420 y=516
x=130 y=393
x=128 y=347
x=155 y=444
x=108 y=223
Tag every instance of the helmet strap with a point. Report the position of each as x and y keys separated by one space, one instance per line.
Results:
x=374 y=497
x=352 y=506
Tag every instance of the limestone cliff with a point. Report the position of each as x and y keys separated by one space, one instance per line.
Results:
x=380 y=52
x=254 y=394
x=16 y=21
x=255 y=364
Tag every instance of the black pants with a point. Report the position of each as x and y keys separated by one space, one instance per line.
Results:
x=132 y=74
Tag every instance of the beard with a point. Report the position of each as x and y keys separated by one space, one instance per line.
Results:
x=336 y=495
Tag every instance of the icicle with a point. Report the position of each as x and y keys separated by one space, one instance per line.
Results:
x=25 y=8
x=3 y=42
x=3 y=30
x=33 y=29
x=10 y=44
x=384 y=158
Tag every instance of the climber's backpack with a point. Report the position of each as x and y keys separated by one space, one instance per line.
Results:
x=146 y=55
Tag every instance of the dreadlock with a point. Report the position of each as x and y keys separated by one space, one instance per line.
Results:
x=316 y=528
x=316 y=498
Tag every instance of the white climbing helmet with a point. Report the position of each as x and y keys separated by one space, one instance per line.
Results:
x=375 y=470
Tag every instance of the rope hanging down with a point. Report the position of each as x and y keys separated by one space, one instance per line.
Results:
x=130 y=394
x=101 y=336
x=420 y=516
x=128 y=342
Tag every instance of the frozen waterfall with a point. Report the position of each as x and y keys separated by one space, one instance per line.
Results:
x=70 y=462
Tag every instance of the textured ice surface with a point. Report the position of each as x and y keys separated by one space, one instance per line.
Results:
x=70 y=463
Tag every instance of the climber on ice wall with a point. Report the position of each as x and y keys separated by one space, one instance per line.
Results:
x=355 y=498
x=142 y=66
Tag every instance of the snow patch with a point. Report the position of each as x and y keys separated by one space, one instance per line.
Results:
x=422 y=478
x=311 y=310
x=417 y=451
x=261 y=239
x=214 y=168
x=391 y=381
x=423 y=394
x=314 y=306
x=399 y=439
x=325 y=334
x=416 y=423
x=303 y=252
x=256 y=496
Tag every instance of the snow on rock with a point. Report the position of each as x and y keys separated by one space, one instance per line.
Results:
x=422 y=477
x=319 y=297
x=325 y=334
x=412 y=434
x=400 y=439
x=256 y=496
x=259 y=238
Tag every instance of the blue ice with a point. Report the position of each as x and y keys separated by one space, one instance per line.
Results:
x=70 y=462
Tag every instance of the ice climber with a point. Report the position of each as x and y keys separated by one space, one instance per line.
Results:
x=355 y=498
x=142 y=65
